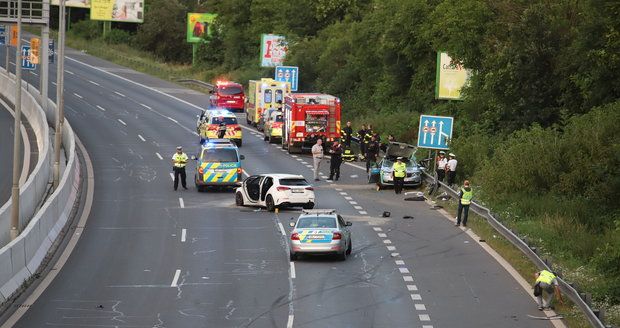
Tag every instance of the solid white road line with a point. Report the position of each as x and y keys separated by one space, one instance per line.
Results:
x=175 y=279
x=416 y=297
x=420 y=307
x=123 y=123
x=120 y=94
x=141 y=138
x=75 y=94
x=293 y=270
x=281 y=228
x=143 y=105
x=93 y=82
x=159 y=156
x=289 y=323
x=181 y=202
x=103 y=109
x=183 y=235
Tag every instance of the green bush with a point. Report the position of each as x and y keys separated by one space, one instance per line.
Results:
x=86 y=29
x=117 y=36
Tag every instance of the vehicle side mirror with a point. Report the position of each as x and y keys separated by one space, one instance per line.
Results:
x=348 y=223
x=291 y=224
x=241 y=157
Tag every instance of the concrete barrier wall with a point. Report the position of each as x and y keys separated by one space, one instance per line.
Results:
x=33 y=190
x=21 y=258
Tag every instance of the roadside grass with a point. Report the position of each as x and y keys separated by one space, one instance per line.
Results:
x=572 y=315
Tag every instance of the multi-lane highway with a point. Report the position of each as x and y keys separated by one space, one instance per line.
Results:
x=153 y=257
x=6 y=154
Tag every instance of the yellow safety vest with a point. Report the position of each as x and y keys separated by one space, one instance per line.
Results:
x=400 y=170
x=545 y=277
x=466 y=197
x=180 y=160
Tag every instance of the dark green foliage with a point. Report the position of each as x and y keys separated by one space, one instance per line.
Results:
x=117 y=36
x=163 y=31
x=86 y=29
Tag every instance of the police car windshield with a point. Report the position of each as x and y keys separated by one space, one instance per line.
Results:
x=219 y=155
x=229 y=90
x=293 y=182
x=316 y=222
x=227 y=120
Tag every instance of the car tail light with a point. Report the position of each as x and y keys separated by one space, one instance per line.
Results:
x=201 y=170
x=281 y=188
x=337 y=236
x=309 y=188
x=295 y=236
x=239 y=170
x=237 y=128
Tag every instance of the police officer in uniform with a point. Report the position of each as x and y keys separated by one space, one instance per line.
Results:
x=179 y=160
x=399 y=171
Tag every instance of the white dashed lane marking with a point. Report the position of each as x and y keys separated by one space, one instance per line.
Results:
x=159 y=156
x=416 y=297
x=123 y=123
x=348 y=198
x=141 y=138
x=363 y=212
x=75 y=94
x=175 y=279
x=120 y=94
x=424 y=317
x=101 y=108
x=399 y=262
x=173 y=120
x=420 y=307
x=377 y=229
x=183 y=235
x=357 y=207
x=387 y=241
x=352 y=202
x=145 y=106
x=390 y=248
x=412 y=288
x=69 y=72
x=343 y=193
x=382 y=235
x=93 y=82
x=408 y=278
x=172 y=176
x=403 y=270
x=181 y=202
x=293 y=275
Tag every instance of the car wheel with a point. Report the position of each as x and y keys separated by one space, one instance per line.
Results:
x=265 y=138
x=239 y=143
x=271 y=206
x=308 y=206
x=270 y=139
x=239 y=199
x=343 y=256
x=292 y=256
x=350 y=248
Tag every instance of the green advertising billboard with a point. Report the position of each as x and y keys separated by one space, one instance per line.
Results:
x=197 y=25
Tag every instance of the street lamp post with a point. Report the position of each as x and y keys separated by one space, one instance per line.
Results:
x=59 y=92
x=17 y=129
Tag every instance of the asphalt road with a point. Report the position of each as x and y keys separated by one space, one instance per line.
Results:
x=6 y=154
x=153 y=257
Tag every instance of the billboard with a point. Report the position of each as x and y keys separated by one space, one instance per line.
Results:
x=451 y=77
x=272 y=50
x=197 y=25
x=73 y=3
x=128 y=11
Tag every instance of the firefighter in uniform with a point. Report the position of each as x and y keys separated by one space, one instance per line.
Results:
x=179 y=160
x=346 y=133
x=399 y=171
x=368 y=138
x=361 y=135
x=372 y=151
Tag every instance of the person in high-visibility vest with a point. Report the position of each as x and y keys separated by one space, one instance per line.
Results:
x=346 y=134
x=179 y=160
x=399 y=171
x=546 y=283
x=465 y=196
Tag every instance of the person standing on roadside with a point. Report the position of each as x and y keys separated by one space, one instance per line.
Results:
x=346 y=134
x=361 y=135
x=546 y=283
x=372 y=151
x=336 y=160
x=441 y=162
x=399 y=171
x=179 y=161
x=451 y=169
x=317 y=157
x=465 y=196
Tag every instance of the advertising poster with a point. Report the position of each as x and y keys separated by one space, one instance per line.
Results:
x=451 y=77
x=128 y=11
x=73 y=3
x=273 y=50
x=197 y=25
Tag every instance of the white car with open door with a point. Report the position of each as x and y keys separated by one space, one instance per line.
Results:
x=275 y=191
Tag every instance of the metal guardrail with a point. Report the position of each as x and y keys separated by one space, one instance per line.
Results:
x=197 y=82
x=582 y=300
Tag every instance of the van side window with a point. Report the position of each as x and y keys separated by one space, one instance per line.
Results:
x=268 y=96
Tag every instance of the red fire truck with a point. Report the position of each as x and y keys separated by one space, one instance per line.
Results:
x=228 y=95
x=308 y=117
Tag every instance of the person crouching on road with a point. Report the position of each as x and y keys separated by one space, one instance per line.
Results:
x=221 y=131
x=179 y=160
x=546 y=283
x=465 y=196
x=317 y=157
x=399 y=171
x=336 y=160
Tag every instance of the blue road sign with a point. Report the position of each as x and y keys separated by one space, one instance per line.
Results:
x=435 y=132
x=288 y=74
x=2 y=34
x=26 y=64
x=50 y=52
